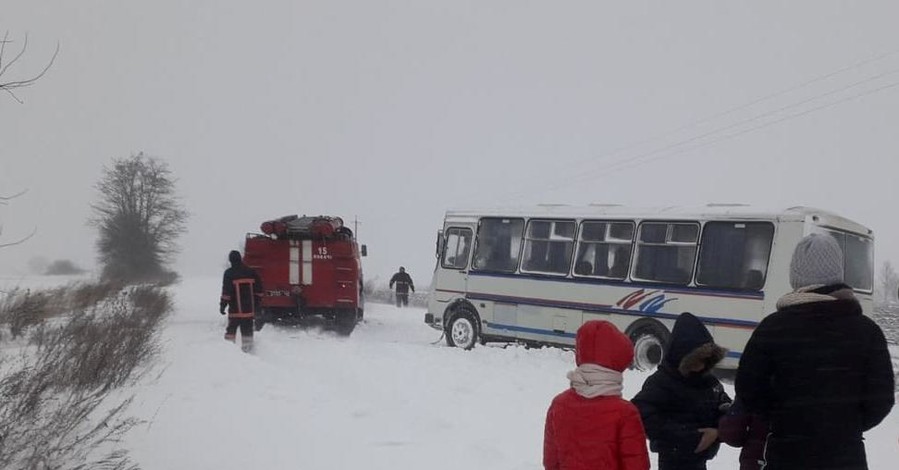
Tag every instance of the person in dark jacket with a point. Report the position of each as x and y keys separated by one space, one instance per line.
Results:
x=817 y=367
x=403 y=284
x=682 y=401
x=749 y=431
x=589 y=426
x=242 y=295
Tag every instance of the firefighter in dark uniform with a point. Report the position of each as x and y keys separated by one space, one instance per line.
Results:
x=403 y=284
x=242 y=294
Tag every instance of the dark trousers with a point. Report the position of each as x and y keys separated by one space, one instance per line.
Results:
x=402 y=299
x=246 y=328
x=678 y=464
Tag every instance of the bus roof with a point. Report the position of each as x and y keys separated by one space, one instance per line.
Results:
x=710 y=211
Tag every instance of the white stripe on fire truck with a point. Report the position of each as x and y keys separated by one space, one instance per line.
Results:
x=307 y=262
x=294 y=268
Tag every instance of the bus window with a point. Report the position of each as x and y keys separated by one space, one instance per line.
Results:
x=457 y=248
x=734 y=255
x=498 y=244
x=666 y=252
x=548 y=246
x=858 y=259
x=604 y=249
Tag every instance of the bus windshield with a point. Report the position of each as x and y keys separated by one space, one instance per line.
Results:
x=858 y=259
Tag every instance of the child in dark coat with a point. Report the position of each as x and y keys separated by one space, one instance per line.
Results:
x=682 y=402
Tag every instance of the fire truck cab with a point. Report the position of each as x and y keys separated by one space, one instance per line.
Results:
x=309 y=266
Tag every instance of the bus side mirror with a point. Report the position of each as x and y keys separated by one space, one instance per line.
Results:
x=364 y=250
x=440 y=242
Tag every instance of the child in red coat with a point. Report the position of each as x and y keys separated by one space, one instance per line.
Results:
x=589 y=426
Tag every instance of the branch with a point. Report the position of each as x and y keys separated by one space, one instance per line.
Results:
x=9 y=198
x=19 y=242
x=3 y=47
x=11 y=85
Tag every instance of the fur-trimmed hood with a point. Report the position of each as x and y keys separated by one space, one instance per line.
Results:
x=708 y=355
x=691 y=345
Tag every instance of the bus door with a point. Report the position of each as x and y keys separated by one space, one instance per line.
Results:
x=451 y=277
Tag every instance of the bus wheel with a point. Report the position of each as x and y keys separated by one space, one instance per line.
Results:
x=462 y=331
x=649 y=340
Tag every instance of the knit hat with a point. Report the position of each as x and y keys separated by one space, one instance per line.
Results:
x=818 y=260
x=234 y=257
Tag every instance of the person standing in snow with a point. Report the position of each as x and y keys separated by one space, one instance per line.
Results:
x=403 y=284
x=682 y=401
x=817 y=367
x=241 y=294
x=748 y=431
x=590 y=426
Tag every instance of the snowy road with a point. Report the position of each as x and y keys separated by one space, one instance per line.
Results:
x=384 y=398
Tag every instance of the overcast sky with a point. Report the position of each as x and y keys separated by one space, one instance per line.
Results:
x=395 y=111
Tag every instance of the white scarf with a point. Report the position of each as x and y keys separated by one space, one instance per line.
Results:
x=804 y=295
x=593 y=380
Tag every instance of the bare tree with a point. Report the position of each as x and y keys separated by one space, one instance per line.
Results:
x=139 y=217
x=889 y=282
x=4 y=200
x=9 y=84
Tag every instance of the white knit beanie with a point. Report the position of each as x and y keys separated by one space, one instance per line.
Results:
x=818 y=260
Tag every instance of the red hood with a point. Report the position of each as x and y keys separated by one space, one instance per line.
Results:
x=600 y=342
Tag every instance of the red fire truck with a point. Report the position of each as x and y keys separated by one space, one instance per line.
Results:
x=308 y=266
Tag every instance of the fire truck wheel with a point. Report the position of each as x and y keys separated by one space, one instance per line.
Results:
x=462 y=331
x=345 y=322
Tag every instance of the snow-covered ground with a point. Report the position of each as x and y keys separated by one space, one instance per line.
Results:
x=384 y=398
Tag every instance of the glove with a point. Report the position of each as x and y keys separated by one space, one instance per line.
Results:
x=222 y=306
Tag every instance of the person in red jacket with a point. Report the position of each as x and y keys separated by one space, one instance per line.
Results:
x=589 y=426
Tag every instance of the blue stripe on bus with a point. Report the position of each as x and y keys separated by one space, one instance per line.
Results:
x=737 y=294
x=727 y=322
x=538 y=331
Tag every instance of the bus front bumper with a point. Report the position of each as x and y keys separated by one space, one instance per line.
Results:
x=435 y=323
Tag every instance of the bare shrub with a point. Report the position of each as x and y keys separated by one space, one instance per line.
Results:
x=82 y=296
x=62 y=267
x=56 y=409
x=21 y=309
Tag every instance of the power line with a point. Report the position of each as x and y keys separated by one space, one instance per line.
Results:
x=806 y=83
x=703 y=120
x=735 y=125
x=762 y=126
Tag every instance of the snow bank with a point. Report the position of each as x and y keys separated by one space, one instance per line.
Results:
x=383 y=398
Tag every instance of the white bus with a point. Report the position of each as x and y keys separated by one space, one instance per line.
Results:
x=535 y=275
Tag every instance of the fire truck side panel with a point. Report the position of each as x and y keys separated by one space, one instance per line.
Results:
x=335 y=276
x=267 y=257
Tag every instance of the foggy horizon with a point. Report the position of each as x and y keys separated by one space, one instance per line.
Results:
x=394 y=113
